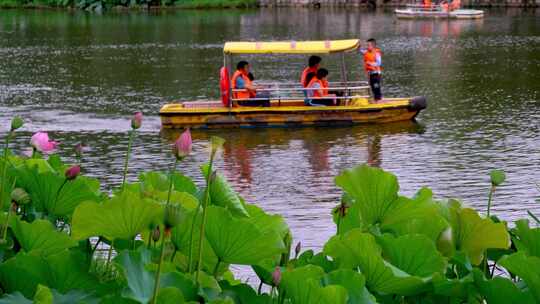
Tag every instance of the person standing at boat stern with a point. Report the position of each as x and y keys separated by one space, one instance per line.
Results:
x=373 y=67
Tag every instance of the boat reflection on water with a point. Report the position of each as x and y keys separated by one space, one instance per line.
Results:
x=437 y=27
x=255 y=155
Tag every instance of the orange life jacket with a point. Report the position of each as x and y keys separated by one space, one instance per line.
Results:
x=427 y=3
x=244 y=94
x=371 y=57
x=323 y=87
x=305 y=73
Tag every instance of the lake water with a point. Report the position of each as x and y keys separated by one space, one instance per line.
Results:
x=80 y=76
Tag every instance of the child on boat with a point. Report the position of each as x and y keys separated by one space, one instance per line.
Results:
x=317 y=93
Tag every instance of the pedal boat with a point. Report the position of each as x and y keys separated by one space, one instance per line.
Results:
x=288 y=107
x=418 y=11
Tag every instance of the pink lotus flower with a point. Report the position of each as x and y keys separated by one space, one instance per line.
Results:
x=41 y=142
x=182 y=146
x=136 y=121
x=73 y=172
x=276 y=276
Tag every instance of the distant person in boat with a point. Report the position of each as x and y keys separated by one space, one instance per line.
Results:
x=241 y=81
x=373 y=67
x=314 y=62
x=427 y=3
x=317 y=93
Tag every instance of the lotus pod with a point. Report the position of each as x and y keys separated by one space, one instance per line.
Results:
x=497 y=177
x=19 y=196
x=16 y=123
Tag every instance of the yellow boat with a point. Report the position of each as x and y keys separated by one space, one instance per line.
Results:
x=287 y=100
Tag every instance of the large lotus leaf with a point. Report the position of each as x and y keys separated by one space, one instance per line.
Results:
x=44 y=295
x=525 y=267
x=170 y=295
x=414 y=254
x=473 y=234
x=304 y=286
x=48 y=194
x=501 y=290
x=64 y=271
x=15 y=298
x=238 y=240
x=41 y=237
x=357 y=249
x=461 y=288
x=140 y=281
x=152 y=182
x=180 y=237
x=122 y=217
x=222 y=194
x=528 y=239
x=267 y=222
x=414 y=216
x=243 y=294
x=372 y=189
x=354 y=282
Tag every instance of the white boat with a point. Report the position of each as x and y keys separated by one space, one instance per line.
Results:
x=416 y=11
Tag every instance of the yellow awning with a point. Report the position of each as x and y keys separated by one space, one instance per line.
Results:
x=291 y=47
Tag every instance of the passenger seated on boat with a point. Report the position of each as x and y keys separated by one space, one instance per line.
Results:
x=241 y=81
x=314 y=62
x=317 y=93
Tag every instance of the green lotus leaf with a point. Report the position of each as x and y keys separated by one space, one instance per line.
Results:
x=64 y=271
x=243 y=294
x=356 y=249
x=49 y=196
x=180 y=237
x=462 y=288
x=170 y=295
x=501 y=290
x=43 y=295
x=222 y=194
x=15 y=298
x=239 y=240
x=414 y=254
x=354 y=282
x=39 y=164
x=473 y=234
x=267 y=222
x=528 y=239
x=525 y=267
x=372 y=190
x=40 y=237
x=122 y=217
x=375 y=200
x=153 y=181
x=140 y=281
x=304 y=286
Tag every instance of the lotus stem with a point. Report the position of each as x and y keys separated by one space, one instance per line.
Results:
x=260 y=288
x=205 y=207
x=490 y=197
x=173 y=169
x=173 y=255
x=4 y=233
x=109 y=254
x=4 y=170
x=149 y=239
x=216 y=269
x=156 y=285
x=130 y=142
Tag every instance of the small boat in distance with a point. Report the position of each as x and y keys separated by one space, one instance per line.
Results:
x=443 y=10
x=287 y=100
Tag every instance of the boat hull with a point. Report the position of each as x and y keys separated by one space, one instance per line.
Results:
x=290 y=116
x=457 y=14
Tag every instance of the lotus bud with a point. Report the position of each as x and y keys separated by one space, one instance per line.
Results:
x=216 y=143
x=19 y=196
x=73 y=172
x=276 y=276
x=156 y=233
x=16 y=123
x=297 y=249
x=136 y=121
x=182 y=146
x=172 y=216
x=497 y=177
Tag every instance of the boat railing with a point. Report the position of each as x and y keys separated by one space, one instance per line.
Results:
x=424 y=8
x=296 y=84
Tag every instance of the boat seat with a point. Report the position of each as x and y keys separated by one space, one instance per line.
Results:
x=203 y=104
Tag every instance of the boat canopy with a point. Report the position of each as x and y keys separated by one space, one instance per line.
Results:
x=291 y=47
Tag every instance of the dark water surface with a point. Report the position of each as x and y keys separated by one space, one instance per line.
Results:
x=80 y=76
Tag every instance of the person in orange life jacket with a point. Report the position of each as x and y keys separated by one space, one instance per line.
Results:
x=314 y=62
x=318 y=86
x=373 y=67
x=241 y=81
